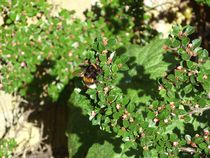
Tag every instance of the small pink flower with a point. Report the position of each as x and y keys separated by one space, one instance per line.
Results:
x=131 y=120
x=196 y=106
x=142 y=135
x=118 y=106
x=23 y=64
x=156 y=113
x=126 y=8
x=175 y=143
x=190 y=45
x=156 y=120
x=8 y=55
x=205 y=77
x=70 y=54
x=159 y=108
x=206 y=132
x=195 y=72
x=173 y=114
x=160 y=87
x=93 y=113
x=22 y=53
x=165 y=120
x=193 y=144
x=179 y=67
x=197 y=135
x=124 y=116
x=206 y=138
x=172 y=105
x=106 y=89
x=105 y=41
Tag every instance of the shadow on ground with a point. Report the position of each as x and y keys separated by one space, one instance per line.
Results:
x=49 y=115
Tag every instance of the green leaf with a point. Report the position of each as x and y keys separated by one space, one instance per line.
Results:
x=184 y=54
x=188 y=88
x=109 y=112
x=204 y=55
x=185 y=40
x=111 y=43
x=150 y=115
x=164 y=114
x=131 y=107
x=104 y=150
x=173 y=137
x=124 y=59
x=189 y=30
x=162 y=93
x=196 y=43
x=176 y=30
x=206 y=65
x=151 y=57
x=199 y=140
x=176 y=43
x=114 y=68
x=187 y=118
x=103 y=57
x=146 y=65
x=125 y=100
x=202 y=145
x=125 y=123
x=188 y=138
x=202 y=102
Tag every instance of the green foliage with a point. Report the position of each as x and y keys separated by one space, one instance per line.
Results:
x=126 y=18
x=206 y=2
x=146 y=64
x=151 y=126
x=6 y=147
x=41 y=52
x=151 y=57
x=155 y=102
x=103 y=151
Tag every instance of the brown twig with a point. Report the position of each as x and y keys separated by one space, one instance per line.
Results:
x=199 y=110
x=188 y=150
x=159 y=5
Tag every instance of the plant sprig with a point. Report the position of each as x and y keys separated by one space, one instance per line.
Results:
x=183 y=90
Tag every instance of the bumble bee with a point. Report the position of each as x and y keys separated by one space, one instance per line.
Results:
x=91 y=71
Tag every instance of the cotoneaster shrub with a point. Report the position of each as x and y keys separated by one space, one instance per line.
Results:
x=41 y=52
x=172 y=123
x=37 y=44
x=125 y=17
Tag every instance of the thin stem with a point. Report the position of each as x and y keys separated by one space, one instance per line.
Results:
x=198 y=110
x=188 y=150
x=159 y=5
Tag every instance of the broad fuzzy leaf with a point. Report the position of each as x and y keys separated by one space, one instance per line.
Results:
x=146 y=65
x=152 y=57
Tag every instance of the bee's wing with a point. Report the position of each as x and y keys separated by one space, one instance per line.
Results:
x=78 y=73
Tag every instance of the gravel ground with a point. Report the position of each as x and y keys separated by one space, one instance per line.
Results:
x=78 y=5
